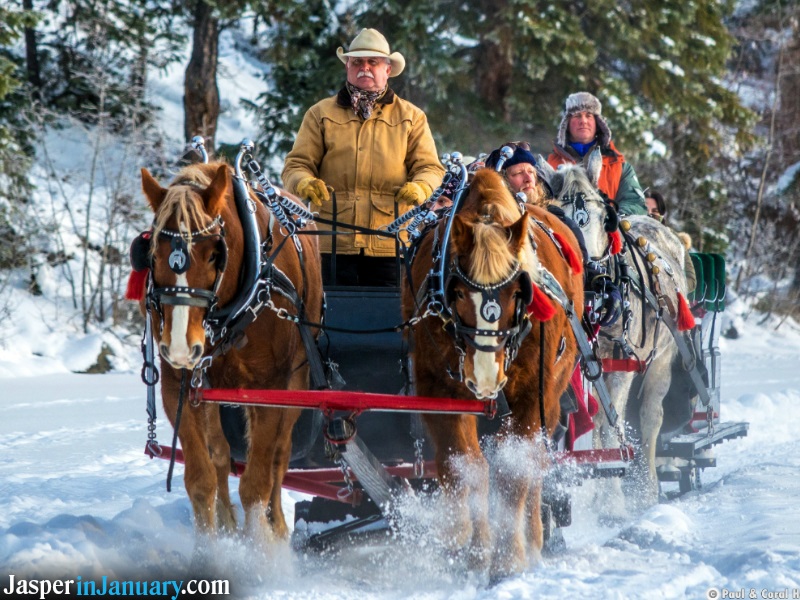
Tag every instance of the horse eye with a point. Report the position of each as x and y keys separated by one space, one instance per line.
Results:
x=460 y=294
x=213 y=257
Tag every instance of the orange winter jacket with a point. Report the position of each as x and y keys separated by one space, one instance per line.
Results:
x=618 y=180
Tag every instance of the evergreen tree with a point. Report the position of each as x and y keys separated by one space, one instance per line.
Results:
x=299 y=40
x=89 y=47
x=15 y=147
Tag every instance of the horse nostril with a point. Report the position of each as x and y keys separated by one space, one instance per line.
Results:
x=197 y=352
x=163 y=350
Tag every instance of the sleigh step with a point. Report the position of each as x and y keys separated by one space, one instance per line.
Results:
x=577 y=465
x=691 y=446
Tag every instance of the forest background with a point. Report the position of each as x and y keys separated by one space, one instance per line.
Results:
x=703 y=97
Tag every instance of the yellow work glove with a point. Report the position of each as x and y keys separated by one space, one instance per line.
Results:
x=413 y=193
x=314 y=189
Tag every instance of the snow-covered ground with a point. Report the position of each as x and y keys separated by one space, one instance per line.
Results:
x=78 y=497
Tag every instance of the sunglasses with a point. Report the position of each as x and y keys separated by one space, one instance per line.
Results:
x=515 y=145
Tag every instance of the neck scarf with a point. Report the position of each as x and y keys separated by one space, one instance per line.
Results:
x=582 y=149
x=363 y=101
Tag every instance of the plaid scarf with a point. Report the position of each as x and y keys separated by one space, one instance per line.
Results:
x=363 y=101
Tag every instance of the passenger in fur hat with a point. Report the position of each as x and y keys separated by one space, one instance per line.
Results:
x=374 y=150
x=582 y=129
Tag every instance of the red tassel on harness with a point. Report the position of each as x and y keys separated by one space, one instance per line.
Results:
x=572 y=259
x=541 y=308
x=136 y=285
x=685 y=316
x=615 y=242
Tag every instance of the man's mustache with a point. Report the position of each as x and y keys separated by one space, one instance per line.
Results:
x=365 y=74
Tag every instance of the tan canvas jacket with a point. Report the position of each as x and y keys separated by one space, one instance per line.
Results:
x=365 y=161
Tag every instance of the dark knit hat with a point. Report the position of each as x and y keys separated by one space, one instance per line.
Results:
x=521 y=155
x=583 y=102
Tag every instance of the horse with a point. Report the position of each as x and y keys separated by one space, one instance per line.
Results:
x=639 y=334
x=196 y=255
x=498 y=254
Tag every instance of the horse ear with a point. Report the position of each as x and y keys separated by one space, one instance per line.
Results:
x=594 y=166
x=556 y=183
x=546 y=171
x=152 y=190
x=462 y=240
x=215 y=195
x=518 y=233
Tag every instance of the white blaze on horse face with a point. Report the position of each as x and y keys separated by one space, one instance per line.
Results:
x=485 y=365
x=179 y=353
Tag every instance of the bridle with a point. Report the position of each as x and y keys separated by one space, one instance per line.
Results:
x=179 y=262
x=510 y=338
x=578 y=201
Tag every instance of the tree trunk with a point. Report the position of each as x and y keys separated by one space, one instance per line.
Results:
x=32 y=55
x=494 y=60
x=201 y=95
x=494 y=71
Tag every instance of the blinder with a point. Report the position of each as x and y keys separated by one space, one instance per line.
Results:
x=222 y=253
x=611 y=222
x=580 y=214
x=526 y=287
x=140 y=252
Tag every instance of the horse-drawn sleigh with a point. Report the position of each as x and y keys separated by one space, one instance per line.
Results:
x=465 y=398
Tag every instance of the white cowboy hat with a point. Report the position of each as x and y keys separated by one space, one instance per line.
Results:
x=370 y=42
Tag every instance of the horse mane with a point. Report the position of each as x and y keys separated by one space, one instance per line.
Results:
x=183 y=201
x=490 y=208
x=491 y=258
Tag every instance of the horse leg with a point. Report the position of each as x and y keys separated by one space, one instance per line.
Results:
x=283 y=454
x=510 y=519
x=255 y=488
x=651 y=416
x=221 y=457
x=464 y=479
x=280 y=464
x=200 y=478
x=609 y=495
x=519 y=463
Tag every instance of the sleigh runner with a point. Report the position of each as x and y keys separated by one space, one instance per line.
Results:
x=360 y=448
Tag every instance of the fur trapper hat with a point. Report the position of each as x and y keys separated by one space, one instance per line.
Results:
x=583 y=102
x=370 y=42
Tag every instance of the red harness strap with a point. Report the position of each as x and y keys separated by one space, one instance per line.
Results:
x=623 y=365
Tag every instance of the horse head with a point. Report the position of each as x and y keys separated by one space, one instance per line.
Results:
x=575 y=191
x=489 y=287
x=188 y=256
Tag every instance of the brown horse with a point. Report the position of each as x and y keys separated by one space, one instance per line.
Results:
x=495 y=271
x=197 y=255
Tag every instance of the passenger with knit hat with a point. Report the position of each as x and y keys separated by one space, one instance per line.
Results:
x=374 y=150
x=582 y=128
x=522 y=177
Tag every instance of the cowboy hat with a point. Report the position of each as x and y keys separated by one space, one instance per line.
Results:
x=370 y=42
